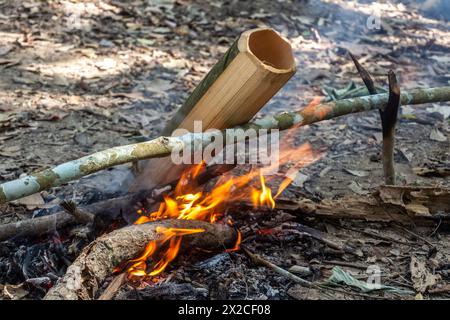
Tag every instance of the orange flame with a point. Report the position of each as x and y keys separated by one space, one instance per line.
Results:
x=263 y=196
x=191 y=202
x=138 y=266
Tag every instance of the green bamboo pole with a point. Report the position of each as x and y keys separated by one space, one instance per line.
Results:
x=163 y=146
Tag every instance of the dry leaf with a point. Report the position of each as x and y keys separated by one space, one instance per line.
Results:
x=421 y=277
x=358 y=173
x=31 y=202
x=436 y=135
x=13 y=292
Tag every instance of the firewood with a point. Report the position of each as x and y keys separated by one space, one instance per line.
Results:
x=113 y=207
x=405 y=205
x=163 y=146
x=46 y=224
x=255 y=67
x=98 y=260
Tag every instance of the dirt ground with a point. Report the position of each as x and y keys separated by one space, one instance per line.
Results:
x=79 y=76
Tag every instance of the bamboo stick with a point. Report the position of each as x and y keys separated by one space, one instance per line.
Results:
x=388 y=121
x=163 y=146
x=254 y=69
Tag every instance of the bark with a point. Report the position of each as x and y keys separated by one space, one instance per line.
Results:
x=164 y=146
x=36 y=226
x=98 y=260
x=402 y=204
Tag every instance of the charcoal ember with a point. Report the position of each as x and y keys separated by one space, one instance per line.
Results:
x=31 y=252
x=165 y=291
x=5 y=248
x=219 y=260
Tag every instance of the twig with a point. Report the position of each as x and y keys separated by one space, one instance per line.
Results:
x=164 y=146
x=364 y=74
x=322 y=237
x=116 y=283
x=260 y=261
x=416 y=235
x=320 y=286
x=80 y=215
x=345 y=264
x=388 y=120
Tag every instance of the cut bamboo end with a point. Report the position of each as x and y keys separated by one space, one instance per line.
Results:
x=263 y=63
x=254 y=69
x=266 y=47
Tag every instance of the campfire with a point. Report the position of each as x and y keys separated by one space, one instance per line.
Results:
x=191 y=201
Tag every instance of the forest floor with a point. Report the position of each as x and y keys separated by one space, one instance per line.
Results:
x=80 y=76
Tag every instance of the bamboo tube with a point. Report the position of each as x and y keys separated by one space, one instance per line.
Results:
x=256 y=66
x=253 y=70
x=163 y=146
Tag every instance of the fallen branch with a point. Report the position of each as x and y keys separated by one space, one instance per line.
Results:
x=164 y=146
x=98 y=260
x=42 y=225
x=35 y=226
x=402 y=204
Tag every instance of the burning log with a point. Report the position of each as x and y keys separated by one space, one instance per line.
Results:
x=98 y=260
x=254 y=69
x=163 y=146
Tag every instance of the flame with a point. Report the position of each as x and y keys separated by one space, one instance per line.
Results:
x=263 y=196
x=191 y=202
x=138 y=265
